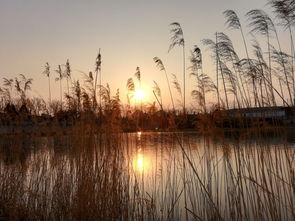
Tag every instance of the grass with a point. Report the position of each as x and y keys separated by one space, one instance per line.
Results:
x=97 y=178
x=77 y=163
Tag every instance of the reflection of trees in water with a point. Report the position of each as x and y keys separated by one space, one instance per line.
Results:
x=93 y=174
x=16 y=149
x=275 y=136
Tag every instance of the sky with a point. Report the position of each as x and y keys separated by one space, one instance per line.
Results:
x=128 y=32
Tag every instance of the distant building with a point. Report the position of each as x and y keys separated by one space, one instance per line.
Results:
x=259 y=112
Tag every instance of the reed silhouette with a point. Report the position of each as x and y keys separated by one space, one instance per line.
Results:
x=231 y=157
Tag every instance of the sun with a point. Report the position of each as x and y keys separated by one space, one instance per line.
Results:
x=139 y=94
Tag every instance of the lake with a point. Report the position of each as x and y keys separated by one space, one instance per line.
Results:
x=149 y=176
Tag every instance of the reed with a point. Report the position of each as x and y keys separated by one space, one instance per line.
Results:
x=69 y=160
x=100 y=177
x=59 y=78
x=177 y=39
x=46 y=72
x=161 y=67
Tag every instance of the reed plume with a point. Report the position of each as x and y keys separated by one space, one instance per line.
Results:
x=46 y=72
x=68 y=74
x=59 y=78
x=161 y=67
x=177 y=39
x=97 y=72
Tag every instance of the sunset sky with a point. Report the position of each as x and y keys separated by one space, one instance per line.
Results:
x=130 y=33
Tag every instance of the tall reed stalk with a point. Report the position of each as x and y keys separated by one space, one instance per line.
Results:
x=178 y=39
x=46 y=72
x=97 y=72
x=262 y=24
x=161 y=67
x=59 y=78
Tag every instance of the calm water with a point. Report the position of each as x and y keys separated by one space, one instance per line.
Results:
x=254 y=175
x=167 y=176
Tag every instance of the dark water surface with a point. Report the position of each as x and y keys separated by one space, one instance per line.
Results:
x=150 y=176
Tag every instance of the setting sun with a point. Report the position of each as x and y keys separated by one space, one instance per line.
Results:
x=139 y=94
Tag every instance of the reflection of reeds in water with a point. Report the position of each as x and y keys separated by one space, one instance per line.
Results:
x=142 y=177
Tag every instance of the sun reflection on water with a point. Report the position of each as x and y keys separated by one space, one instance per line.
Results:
x=141 y=162
x=138 y=135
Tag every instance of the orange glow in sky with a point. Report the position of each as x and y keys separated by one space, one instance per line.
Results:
x=129 y=34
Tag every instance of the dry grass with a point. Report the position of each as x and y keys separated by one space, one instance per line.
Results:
x=79 y=165
x=185 y=177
